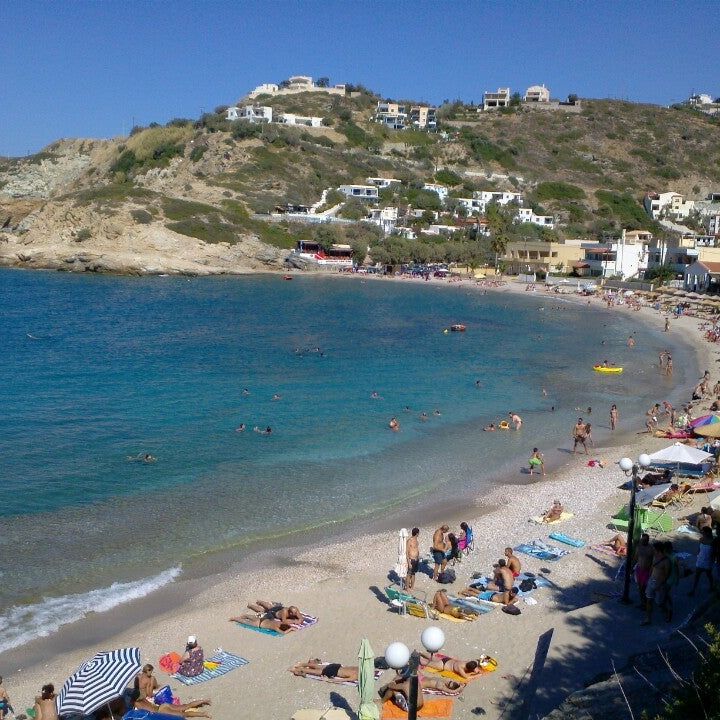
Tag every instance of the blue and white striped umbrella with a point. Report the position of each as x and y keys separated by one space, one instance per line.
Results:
x=98 y=681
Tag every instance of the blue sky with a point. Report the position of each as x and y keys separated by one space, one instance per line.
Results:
x=75 y=68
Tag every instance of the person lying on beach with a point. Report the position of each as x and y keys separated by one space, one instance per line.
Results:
x=188 y=710
x=398 y=691
x=45 y=706
x=465 y=670
x=672 y=492
x=264 y=623
x=618 y=544
x=656 y=478
x=554 y=513
x=481 y=593
x=332 y=672
x=442 y=604
x=290 y=614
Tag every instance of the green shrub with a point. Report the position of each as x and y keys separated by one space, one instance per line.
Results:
x=141 y=216
x=355 y=135
x=176 y=209
x=558 y=191
x=448 y=177
x=210 y=230
x=83 y=234
x=353 y=209
x=623 y=207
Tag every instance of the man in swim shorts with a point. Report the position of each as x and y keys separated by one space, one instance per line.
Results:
x=502 y=577
x=439 y=548
x=513 y=562
x=333 y=672
x=412 y=554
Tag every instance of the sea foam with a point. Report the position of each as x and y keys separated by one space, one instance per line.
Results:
x=21 y=624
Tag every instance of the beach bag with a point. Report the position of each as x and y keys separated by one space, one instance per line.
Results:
x=511 y=609
x=169 y=663
x=447 y=577
x=163 y=696
x=527 y=584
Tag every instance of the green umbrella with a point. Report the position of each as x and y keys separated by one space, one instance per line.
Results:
x=366 y=683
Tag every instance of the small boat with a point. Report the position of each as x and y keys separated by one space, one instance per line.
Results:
x=607 y=370
x=457 y=328
x=287 y=277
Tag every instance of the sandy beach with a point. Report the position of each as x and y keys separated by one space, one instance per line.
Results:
x=342 y=584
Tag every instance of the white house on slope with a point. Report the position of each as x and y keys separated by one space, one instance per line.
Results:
x=537 y=94
x=527 y=215
x=494 y=100
x=668 y=205
x=251 y=113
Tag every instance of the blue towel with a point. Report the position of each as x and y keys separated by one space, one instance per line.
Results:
x=561 y=537
x=541 y=551
x=470 y=604
x=227 y=661
x=147 y=715
x=309 y=621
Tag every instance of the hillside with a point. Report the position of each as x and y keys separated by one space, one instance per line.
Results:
x=182 y=197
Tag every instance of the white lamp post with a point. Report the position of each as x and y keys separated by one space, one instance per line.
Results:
x=398 y=656
x=628 y=466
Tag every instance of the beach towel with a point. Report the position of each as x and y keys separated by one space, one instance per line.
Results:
x=147 y=715
x=538 y=519
x=688 y=530
x=433 y=708
x=332 y=681
x=475 y=604
x=452 y=618
x=566 y=539
x=442 y=692
x=541 y=551
x=308 y=622
x=489 y=666
x=605 y=550
x=228 y=662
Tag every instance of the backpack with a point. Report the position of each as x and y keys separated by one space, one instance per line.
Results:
x=447 y=577
x=527 y=584
x=511 y=609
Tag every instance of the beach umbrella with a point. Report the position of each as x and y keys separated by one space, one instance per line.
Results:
x=680 y=454
x=645 y=497
x=401 y=567
x=98 y=681
x=704 y=420
x=710 y=431
x=368 y=710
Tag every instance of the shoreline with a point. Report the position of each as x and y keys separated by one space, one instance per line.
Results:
x=153 y=623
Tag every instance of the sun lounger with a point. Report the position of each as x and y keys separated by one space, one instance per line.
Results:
x=408 y=604
x=541 y=551
x=228 y=662
x=433 y=708
x=567 y=540
x=332 y=681
x=649 y=520
x=704 y=486
x=539 y=520
x=309 y=621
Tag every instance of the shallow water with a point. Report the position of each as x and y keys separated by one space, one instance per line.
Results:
x=97 y=369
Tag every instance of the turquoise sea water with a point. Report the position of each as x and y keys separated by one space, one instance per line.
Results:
x=96 y=369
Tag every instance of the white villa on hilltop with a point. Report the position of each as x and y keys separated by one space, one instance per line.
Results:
x=293 y=85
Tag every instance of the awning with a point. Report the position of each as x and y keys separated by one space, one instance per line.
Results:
x=581 y=265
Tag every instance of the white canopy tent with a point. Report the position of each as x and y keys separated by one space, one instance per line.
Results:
x=680 y=454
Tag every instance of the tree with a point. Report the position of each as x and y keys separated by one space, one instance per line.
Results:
x=323 y=82
x=326 y=236
x=661 y=273
x=516 y=99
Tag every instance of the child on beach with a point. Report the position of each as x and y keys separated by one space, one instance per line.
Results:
x=5 y=706
x=537 y=461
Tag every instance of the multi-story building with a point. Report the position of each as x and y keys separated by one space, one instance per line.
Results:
x=423 y=117
x=441 y=190
x=391 y=115
x=494 y=100
x=624 y=258
x=668 y=205
x=251 y=113
x=537 y=94
x=364 y=192
x=381 y=183
x=386 y=218
x=713 y=224
x=538 y=256
x=527 y=215
x=292 y=119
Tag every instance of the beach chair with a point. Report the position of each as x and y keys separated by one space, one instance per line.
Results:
x=408 y=604
x=467 y=545
x=649 y=520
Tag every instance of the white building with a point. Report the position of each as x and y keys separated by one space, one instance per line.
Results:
x=624 y=258
x=702 y=276
x=527 y=215
x=494 y=100
x=292 y=119
x=423 y=117
x=251 y=113
x=364 y=192
x=537 y=94
x=700 y=99
x=498 y=196
x=293 y=85
x=382 y=182
x=668 y=205
x=713 y=224
x=386 y=218
x=392 y=115
x=441 y=190
x=472 y=205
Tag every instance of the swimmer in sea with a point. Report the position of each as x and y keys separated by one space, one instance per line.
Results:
x=266 y=431
x=489 y=428
x=394 y=425
x=544 y=392
x=276 y=397
x=423 y=416
x=375 y=395
x=240 y=428
x=407 y=409
x=437 y=413
x=245 y=392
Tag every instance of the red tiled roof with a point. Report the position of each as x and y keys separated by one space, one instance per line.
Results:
x=713 y=267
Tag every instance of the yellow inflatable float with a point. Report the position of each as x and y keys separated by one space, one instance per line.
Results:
x=607 y=370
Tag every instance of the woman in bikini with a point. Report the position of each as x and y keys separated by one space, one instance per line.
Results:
x=290 y=615
x=264 y=623
x=465 y=670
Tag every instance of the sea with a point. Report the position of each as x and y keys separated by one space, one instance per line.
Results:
x=98 y=371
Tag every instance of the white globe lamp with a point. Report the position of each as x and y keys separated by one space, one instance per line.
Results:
x=397 y=655
x=644 y=460
x=626 y=464
x=432 y=638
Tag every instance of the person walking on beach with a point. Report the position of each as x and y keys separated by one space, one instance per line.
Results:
x=667 y=324
x=412 y=553
x=5 y=706
x=578 y=434
x=669 y=366
x=656 y=590
x=703 y=563
x=439 y=548
x=613 y=417
x=643 y=565
x=515 y=419
x=537 y=461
